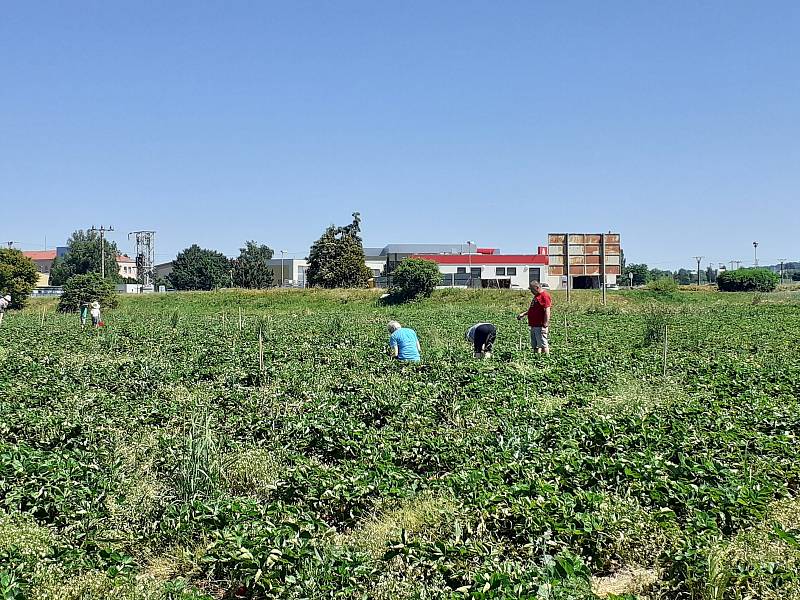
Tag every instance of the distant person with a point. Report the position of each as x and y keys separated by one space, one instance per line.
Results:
x=482 y=336
x=84 y=313
x=5 y=302
x=538 y=314
x=403 y=342
x=95 y=312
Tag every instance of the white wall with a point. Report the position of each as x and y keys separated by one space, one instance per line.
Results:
x=376 y=265
x=521 y=279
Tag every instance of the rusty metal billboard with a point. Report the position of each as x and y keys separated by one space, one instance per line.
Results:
x=584 y=253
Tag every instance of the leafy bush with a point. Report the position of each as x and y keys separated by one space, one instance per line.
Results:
x=415 y=278
x=17 y=276
x=748 y=280
x=81 y=289
x=655 y=321
x=663 y=285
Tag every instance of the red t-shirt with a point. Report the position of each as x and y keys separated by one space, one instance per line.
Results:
x=536 y=311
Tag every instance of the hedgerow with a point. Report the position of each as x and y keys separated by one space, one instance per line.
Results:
x=748 y=280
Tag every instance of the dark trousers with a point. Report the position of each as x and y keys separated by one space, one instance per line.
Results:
x=485 y=336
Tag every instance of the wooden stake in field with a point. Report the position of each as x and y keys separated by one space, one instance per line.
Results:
x=566 y=331
x=41 y=324
x=665 y=350
x=241 y=323
x=260 y=350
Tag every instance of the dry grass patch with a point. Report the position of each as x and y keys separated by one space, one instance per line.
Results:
x=252 y=472
x=634 y=581
x=423 y=517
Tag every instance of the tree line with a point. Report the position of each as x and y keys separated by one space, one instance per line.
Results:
x=642 y=275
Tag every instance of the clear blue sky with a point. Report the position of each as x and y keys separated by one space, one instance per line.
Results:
x=675 y=123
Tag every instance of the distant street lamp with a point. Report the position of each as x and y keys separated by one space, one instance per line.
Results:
x=469 y=258
x=755 y=254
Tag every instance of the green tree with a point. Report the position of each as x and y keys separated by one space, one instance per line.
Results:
x=199 y=269
x=711 y=274
x=18 y=276
x=415 y=278
x=337 y=258
x=641 y=274
x=84 y=256
x=686 y=277
x=251 y=269
x=659 y=274
x=85 y=288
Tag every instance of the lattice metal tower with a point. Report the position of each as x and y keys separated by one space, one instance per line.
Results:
x=145 y=256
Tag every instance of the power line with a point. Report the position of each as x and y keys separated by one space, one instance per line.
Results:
x=102 y=231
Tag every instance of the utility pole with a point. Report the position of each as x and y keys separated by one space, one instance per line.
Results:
x=603 y=265
x=698 y=259
x=283 y=277
x=469 y=259
x=783 y=260
x=102 y=231
x=755 y=254
x=566 y=263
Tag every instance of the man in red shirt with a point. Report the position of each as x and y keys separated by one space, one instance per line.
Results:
x=539 y=318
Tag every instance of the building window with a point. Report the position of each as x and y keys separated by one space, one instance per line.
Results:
x=511 y=271
x=461 y=270
x=500 y=271
x=376 y=272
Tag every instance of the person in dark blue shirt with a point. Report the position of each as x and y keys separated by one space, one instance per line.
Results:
x=403 y=342
x=482 y=336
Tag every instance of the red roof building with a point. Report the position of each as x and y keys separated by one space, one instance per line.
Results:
x=487 y=268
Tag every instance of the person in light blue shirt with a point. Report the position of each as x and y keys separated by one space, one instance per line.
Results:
x=403 y=342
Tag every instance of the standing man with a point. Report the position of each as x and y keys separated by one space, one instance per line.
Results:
x=95 y=312
x=539 y=318
x=403 y=342
x=5 y=302
x=482 y=336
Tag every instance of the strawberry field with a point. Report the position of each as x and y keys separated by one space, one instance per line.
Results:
x=242 y=445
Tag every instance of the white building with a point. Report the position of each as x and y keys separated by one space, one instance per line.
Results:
x=486 y=268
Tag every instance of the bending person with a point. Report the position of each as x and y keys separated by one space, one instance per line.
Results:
x=483 y=336
x=403 y=342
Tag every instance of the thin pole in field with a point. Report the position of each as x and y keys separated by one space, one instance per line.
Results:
x=260 y=351
x=241 y=324
x=566 y=264
x=665 y=350
x=566 y=331
x=603 y=265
